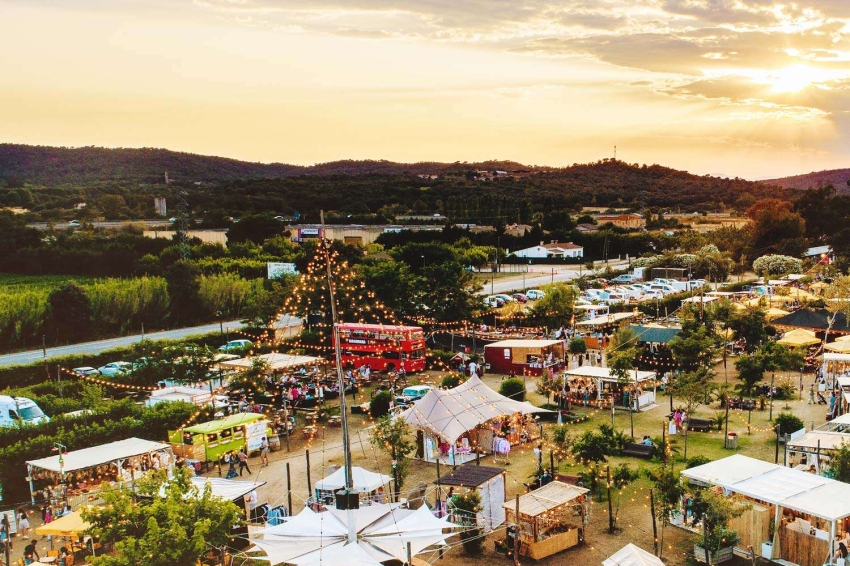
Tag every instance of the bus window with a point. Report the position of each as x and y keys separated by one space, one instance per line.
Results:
x=390 y=355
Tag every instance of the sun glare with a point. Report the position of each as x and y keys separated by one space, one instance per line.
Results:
x=794 y=78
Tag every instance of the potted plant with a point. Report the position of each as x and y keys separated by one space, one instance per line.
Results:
x=714 y=510
x=465 y=507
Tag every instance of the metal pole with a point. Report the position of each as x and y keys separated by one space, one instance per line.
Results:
x=610 y=503
x=776 y=459
x=654 y=525
x=309 y=483
x=516 y=532
x=289 y=491
x=772 y=377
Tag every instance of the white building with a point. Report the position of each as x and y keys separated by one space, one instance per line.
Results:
x=551 y=250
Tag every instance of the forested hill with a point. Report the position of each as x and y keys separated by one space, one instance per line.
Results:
x=54 y=166
x=355 y=186
x=838 y=178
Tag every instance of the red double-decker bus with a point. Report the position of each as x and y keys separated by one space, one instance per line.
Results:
x=382 y=347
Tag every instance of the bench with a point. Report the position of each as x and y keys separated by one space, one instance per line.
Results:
x=700 y=425
x=638 y=450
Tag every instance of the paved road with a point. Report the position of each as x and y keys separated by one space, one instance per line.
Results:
x=33 y=356
x=103 y=224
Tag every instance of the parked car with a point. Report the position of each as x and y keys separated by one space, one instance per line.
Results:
x=624 y=278
x=534 y=294
x=415 y=392
x=494 y=302
x=74 y=223
x=85 y=370
x=115 y=368
x=240 y=344
x=505 y=298
x=519 y=297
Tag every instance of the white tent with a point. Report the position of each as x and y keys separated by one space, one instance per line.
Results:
x=97 y=455
x=382 y=533
x=229 y=490
x=364 y=480
x=781 y=487
x=631 y=555
x=277 y=362
x=603 y=375
x=177 y=393
x=449 y=414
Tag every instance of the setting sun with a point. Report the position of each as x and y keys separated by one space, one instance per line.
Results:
x=794 y=78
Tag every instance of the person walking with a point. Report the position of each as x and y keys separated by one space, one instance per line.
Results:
x=243 y=461
x=812 y=394
x=23 y=523
x=264 y=452
x=231 y=465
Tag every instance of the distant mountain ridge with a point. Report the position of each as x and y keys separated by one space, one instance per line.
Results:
x=838 y=178
x=44 y=165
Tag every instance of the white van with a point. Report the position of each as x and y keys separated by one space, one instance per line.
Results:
x=20 y=410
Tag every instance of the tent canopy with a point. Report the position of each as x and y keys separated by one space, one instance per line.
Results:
x=449 y=414
x=840 y=346
x=631 y=555
x=550 y=496
x=524 y=343
x=606 y=319
x=793 y=489
x=595 y=372
x=798 y=338
x=364 y=480
x=276 y=362
x=229 y=490
x=822 y=439
x=97 y=455
x=68 y=525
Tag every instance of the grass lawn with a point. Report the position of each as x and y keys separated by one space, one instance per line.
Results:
x=14 y=281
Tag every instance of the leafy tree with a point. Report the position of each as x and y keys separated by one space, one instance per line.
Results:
x=668 y=492
x=70 y=313
x=621 y=476
x=694 y=348
x=693 y=387
x=255 y=228
x=776 y=228
x=621 y=354
x=513 y=388
x=578 y=346
x=839 y=462
x=715 y=510
x=172 y=522
x=547 y=384
x=788 y=423
x=379 y=406
x=184 y=288
x=556 y=308
x=750 y=325
x=750 y=372
x=393 y=436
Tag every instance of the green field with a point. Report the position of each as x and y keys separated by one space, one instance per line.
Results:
x=13 y=281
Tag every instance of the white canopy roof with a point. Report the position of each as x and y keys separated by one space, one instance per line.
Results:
x=607 y=319
x=631 y=555
x=382 y=533
x=841 y=420
x=823 y=439
x=230 y=490
x=96 y=455
x=516 y=343
x=276 y=362
x=364 y=480
x=793 y=489
x=595 y=372
x=448 y=414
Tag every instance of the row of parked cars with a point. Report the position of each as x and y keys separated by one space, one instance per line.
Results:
x=113 y=369
x=638 y=292
x=501 y=299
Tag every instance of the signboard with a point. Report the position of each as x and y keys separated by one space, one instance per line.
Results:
x=254 y=433
x=308 y=232
x=277 y=270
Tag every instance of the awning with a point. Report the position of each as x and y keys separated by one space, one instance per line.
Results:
x=631 y=555
x=276 y=362
x=550 y=496
x=814 y=439
x=595 y=372
x=96 y=455
x=364 y=480
x=229 y=490
x=777 y=485
x=449 y=414
x=607 y=319
x=65 y=526
x=799 y=338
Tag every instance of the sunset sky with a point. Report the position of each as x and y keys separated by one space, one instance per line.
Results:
x=749 y=88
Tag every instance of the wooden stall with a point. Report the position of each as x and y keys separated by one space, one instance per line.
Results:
x=525 y=357
x=551 y=519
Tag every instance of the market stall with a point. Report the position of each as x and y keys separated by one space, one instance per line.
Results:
x=276 y=362
x=206 y=442
x=525 y=357
x=456 y=425
x=489 y=482
x=640 y=383
x=76 y=476
x=371 y=487
x=551 y=519
x=809 y=513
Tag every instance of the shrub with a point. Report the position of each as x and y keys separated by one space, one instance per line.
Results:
x=578 y=346
x=513 y=388
x=466 y=507
x=452 y=379
x=380 y=405
x=788 y=423
x=696 y=461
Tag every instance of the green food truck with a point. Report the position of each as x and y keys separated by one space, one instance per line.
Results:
x=205 y=442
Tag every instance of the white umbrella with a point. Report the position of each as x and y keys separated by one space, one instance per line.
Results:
x=382 y=533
